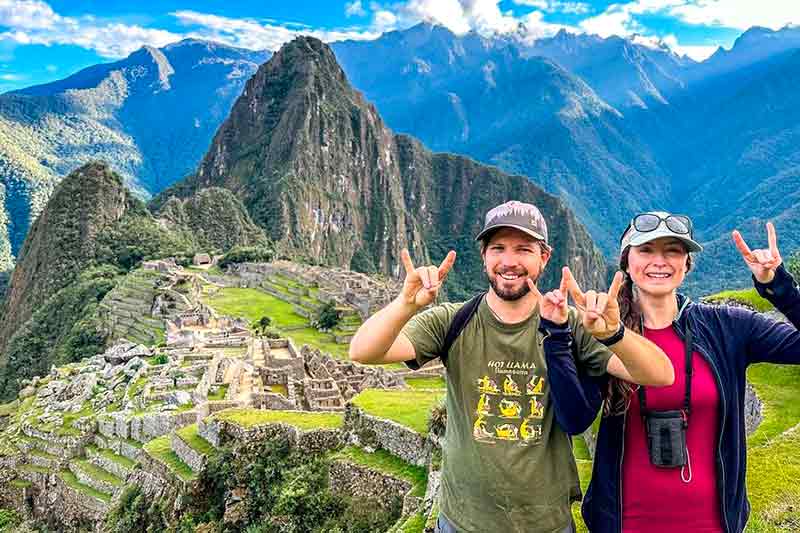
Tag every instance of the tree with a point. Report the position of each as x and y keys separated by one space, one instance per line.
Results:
x=328 y=316
x=260 y=326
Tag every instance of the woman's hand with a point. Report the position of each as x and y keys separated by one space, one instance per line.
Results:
x=601 y=316
x=762 y=262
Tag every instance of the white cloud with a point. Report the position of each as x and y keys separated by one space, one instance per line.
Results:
x=616 y=20
x=254 y=34
x=35 y=22
x=557 y=6
x=354 y=9
x=696 y=52
x=12 y=77
x=460 y=16
x=740 y=14
x=51 y=68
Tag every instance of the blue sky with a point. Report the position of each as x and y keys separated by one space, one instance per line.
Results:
x=43 y=40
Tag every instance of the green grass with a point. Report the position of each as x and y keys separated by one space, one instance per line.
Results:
x=426 y=383
x=98 y=473
x=319 y=340
x=280 y=389
x=34 y=468
x=383 y=461
x=136 y=387
x=20 y=483
x=414 y=524
x=301 y=419
x=8 y=409
x=252 y=304
x=111 y=456
x=409 y=408
x=778 y=386
x=772 y=474
x=160 y=449
x=220 y=393
x=190 y=436
x=746 y=296
x=579 y=448
x=70 y=479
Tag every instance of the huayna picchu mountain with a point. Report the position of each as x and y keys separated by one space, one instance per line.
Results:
x=91 y=232
x=318 y=169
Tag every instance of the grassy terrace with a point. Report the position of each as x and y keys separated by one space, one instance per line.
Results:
x=426 y=383
x=219 y=394
x=301 y=419
x=778 y=386
x=160 y=449
x=252 y=304
x=111 y=456
x=196 y=442
x=70 y=479
x=409 y=408
x=746 y=296
x=383 y=461
x=98 y=473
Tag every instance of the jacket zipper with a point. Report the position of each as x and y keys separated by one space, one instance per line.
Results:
x=720 y=462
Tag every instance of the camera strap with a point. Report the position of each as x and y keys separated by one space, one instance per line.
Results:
x=686 y=470
x=689 y=371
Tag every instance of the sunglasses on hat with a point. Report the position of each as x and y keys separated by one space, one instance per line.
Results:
x=645 y=222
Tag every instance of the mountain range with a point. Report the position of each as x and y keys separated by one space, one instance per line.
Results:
x=612 y=126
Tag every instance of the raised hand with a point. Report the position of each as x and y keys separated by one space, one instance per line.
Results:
x=552 y=305
x=601 y=315
x=762 y=262
x=422 y=284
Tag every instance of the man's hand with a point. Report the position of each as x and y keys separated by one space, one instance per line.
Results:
x=601 y=315
x=422 y=284
x=762 y=263
x=552 y=305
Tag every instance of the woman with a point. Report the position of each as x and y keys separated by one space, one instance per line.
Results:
x=673 y=458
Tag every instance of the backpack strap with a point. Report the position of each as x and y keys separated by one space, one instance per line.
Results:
x=459 y=322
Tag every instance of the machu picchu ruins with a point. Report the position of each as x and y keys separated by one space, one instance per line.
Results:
x=182 y=378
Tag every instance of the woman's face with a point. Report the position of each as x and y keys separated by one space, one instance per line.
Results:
x=658 y=267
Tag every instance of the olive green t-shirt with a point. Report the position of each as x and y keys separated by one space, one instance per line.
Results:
x=507 y=466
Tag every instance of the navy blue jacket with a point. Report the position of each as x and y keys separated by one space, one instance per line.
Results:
x=730 y=339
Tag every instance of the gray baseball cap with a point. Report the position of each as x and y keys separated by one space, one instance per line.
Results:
x=679 y=227
x=519 y=215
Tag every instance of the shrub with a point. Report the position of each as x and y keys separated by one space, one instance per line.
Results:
x=246 y=254
x=328 y=317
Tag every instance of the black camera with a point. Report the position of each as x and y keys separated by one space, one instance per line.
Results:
x=666 y=438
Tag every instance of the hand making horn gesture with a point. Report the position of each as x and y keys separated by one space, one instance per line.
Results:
x=552 y=305
x=601 y=315
x=422 y=284
x=762 y=263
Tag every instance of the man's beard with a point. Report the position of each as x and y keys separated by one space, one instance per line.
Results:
x=511 y=295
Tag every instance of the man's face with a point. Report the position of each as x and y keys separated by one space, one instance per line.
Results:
x=510 y=257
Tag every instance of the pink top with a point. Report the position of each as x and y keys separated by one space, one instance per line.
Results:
x=656 y=499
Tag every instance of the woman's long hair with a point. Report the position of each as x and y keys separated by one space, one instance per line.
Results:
x=618 y=397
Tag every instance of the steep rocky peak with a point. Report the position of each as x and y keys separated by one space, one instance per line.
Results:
x=150 y=64
x=63 y=239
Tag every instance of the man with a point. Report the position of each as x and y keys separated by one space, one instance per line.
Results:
x=507 y=465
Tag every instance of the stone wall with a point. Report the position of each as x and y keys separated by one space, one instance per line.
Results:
x=194 y=459
x=360 y=482
x=147 y=427
x=369 y=431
